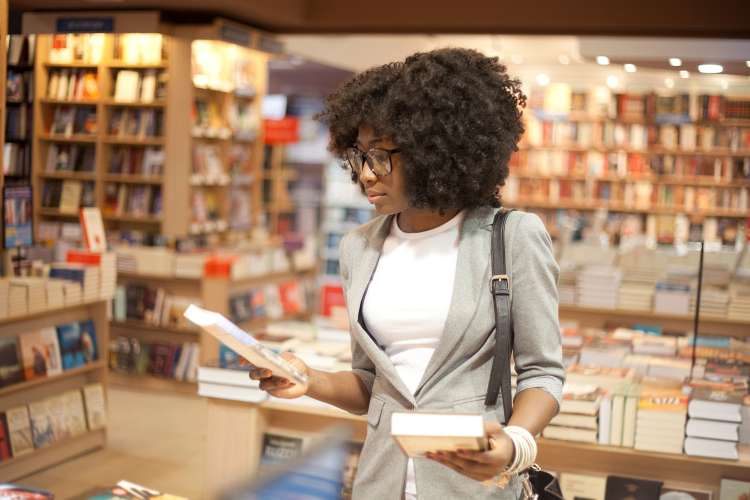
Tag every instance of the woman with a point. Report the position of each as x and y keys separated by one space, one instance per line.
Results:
x=429 y=140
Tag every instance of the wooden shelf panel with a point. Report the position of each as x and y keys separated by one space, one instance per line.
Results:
x=58 y=452
x=24 y=386
x=81 y=176
x=591 y=458
x=133 y=179
x=236 y=286
x=151 y=383
x=82 y=308
x=53 y=212
x=615 y=207
x=708 y=325
x=124 y=65
x=650 y=151
x=76 y=138
x=71 y=65
x=156 y=277
x=135 y=219
x=134 y=104
x=707 y=181
x=65 y=102
x=135 y=141
x=142 y=325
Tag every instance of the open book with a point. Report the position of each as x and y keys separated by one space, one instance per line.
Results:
x=243 y=343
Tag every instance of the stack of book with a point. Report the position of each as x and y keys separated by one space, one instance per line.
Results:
x=86 y=276
x=598 y=286
x=713 y=428
x=55 y=293
x=577 y=420
x=229 y=382
x=103 y=264
x=637 y=288
x=567 y=284
x=33 y=292
x=672 y=298
x=661 y=420
x=714 y=302
x=739 y=297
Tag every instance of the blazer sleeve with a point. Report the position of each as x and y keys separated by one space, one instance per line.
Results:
x=362 y=366
x=534 y=309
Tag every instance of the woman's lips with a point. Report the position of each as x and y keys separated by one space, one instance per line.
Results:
x=374 y=197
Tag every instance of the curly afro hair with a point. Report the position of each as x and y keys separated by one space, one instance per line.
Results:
x=454 y=113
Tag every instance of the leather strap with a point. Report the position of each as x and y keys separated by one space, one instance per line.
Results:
x=500 y=287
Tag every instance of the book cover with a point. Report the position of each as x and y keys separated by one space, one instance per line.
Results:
x=628 y=488
x=583 y=399
x=677 y=493
x=93 y=229
x=5 y=453
x=37 y=354
x=19 y=430
x=96 y=410
x=279 y=448
x=69 y=336
x=70 y=198
x=583 y=487
x=89 y=349
x=734 y=490
x=56 y=409
x=10 y=363
x=73 y=410
x=42 y=428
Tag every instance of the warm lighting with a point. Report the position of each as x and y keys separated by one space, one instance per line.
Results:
x=684 y=73
x=630 y=68
x=710 y=68
x=564 y=59
x=603 y=60
x=612 y=81
x=516 y=59
x=675 y=61
x=542 y=79
x=669 y=83
x=724 y=85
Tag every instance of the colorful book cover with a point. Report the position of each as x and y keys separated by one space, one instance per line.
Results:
x=69 y=336
x=56 y=409
x=96 y=410
x=10 y=363
x=734 y=490
x=628 y=488
x=291 y=297
x=88 y=341
x=42 y=427
x=5 y=453
x=19 y=430
x=37 y=354
x=663 y=401
x=52 y=346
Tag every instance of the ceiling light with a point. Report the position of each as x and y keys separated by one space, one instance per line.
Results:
x=710 y=68
x=603 y=60
x=747 y=63
x=669 y=83
x=516 y=59
x=542 y=79
x=684 y=73
x=675 y=61
x=564 y=59
x=612 y=81
x=630 y=68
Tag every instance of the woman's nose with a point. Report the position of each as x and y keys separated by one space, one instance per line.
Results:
x=366 y=176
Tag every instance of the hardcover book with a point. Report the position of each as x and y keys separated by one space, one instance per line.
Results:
x=39 y=354
x=10 y=365
x=628 y=488
x=42 y=427
x=75 y=415
x=96 y=410
x=19 y=430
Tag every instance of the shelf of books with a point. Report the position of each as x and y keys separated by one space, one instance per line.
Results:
x=155 y=345
x=111 y=128
x=54 y=372
x=19 y=100
x=666 y=166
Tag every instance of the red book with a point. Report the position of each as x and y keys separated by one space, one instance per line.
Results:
x=4 y=443
x=84 y=257
x=332 y=296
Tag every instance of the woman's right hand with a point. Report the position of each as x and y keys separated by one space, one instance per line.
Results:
x=279 y=386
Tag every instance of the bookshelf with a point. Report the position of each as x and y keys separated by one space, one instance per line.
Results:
x=38 y=389
x=248 y=422
x=124 y=123
x=660 y=161
x=212 y=292
x=19 y=98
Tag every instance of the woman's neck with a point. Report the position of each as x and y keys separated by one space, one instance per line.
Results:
x=415 y=220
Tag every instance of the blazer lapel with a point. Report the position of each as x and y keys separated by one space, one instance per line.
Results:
x=471 y=267
x=362 y=271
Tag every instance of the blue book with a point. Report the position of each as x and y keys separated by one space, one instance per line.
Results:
x=69 y=336
x=88 y=341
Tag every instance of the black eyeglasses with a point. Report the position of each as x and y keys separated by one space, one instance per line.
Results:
x=378 y=159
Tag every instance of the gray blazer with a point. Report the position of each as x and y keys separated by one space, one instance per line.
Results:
x=458 y=372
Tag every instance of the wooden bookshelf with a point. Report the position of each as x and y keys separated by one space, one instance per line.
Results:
x=620 y=207
x=150 y=383
x=38 y=389
x=596 y=317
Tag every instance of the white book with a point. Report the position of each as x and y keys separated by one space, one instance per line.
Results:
x=419 y=433
x=232 y=392
x=618 y=415
x=629 y=422
x=243 y=343
x=126 y=86
x=605 y=419
x=712 y=429
x=226 y=376
x=96 y=408
x=713 y=448
x=148 y=87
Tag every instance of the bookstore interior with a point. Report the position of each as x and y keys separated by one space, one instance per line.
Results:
x=164 y=182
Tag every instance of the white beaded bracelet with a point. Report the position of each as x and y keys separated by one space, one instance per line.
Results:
x=525 y=448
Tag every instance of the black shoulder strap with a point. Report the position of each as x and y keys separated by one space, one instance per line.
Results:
x=500 y=288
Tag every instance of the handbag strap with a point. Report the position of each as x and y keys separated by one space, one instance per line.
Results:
x=500 y=288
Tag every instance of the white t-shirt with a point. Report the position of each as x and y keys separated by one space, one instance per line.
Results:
x=407 y=301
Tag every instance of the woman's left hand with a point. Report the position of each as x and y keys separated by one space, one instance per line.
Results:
x=480 y=465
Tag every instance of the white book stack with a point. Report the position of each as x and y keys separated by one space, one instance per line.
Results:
x=189 y=265
x=107 y=275
x=660 y=423
x=73 y=293
x=4 y=297
x=713 y=428
x=34 y=291
x=578 y=417
x=55 y=293
x=598 y=286
x=154 y=261
x=126 y=263
x=672 y=298
x=637 y=287
x=714 y=302
x=232 y=384
x=739 y=297
x=18 y=301
x=567 y=284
